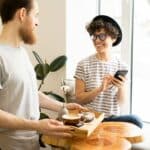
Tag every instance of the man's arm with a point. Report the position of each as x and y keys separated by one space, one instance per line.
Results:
x=10 y=121
x=45 y=126
x=49 y=103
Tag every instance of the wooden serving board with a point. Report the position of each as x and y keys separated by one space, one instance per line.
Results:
x=86 y=130
x=79 y=132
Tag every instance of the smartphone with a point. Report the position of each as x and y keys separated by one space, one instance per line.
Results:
x=120 y=73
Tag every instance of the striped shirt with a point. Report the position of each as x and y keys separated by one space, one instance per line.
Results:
x=92 y=71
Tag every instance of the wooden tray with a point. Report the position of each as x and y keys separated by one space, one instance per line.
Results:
x=79 y=132
x=88 y=128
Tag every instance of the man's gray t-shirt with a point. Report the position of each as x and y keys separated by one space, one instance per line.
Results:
x=18 y=85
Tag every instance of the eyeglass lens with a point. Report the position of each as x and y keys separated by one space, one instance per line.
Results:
x=101 y=37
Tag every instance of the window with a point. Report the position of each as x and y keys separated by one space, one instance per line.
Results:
x=79 y=45
x=122 y=14
x=108 y=8
x=141 y=60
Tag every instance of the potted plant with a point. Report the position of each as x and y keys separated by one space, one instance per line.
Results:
x=42 y=70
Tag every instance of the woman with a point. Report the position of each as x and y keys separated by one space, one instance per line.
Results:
x=96 y=86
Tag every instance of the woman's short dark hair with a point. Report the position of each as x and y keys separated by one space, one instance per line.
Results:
x=8 y=8
x=98 y=24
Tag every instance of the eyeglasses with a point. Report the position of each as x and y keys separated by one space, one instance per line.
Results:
x=101 y=36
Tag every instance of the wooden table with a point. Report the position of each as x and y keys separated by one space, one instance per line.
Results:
x=110 y=136
x=122 y=129
x=107 y=136
x=105 y=142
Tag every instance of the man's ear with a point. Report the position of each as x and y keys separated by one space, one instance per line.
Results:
x=21 y=14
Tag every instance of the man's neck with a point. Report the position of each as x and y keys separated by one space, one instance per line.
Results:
x=9 y=36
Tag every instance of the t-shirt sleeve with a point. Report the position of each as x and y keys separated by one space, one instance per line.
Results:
x=3 y=74
x=123 y=66
x=80 y=73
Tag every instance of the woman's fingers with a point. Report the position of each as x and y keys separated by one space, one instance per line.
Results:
x=118 y=82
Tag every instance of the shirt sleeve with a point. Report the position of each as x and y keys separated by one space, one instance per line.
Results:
x=80 y=73
x=123 y=66
x=3 y=74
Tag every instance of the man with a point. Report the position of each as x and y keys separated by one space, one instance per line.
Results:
x=19 y=97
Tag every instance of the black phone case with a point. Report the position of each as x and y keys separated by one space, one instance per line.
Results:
x=121 y=73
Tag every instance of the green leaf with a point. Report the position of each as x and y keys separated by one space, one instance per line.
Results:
x=41 y=71
x=46 y=69
x=37 y=57
x=43 y=116
x=57 y=63
x=55 y=96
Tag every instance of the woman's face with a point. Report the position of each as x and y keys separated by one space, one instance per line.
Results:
x=102 y=41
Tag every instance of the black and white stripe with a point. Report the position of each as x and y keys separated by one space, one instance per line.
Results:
x=92 y=71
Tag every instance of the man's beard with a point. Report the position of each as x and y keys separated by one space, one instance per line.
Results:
x=28 y=37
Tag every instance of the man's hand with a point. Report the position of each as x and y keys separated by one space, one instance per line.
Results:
x=54 y=128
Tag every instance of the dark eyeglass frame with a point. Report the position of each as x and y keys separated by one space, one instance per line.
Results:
x=101 y=36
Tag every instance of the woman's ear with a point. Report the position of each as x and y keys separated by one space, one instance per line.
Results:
x=113 y=40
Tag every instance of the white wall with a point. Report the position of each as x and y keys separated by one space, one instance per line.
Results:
x=51 y=41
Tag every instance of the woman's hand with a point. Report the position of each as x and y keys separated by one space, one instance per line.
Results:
x=107 y=83
x=119 y=83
